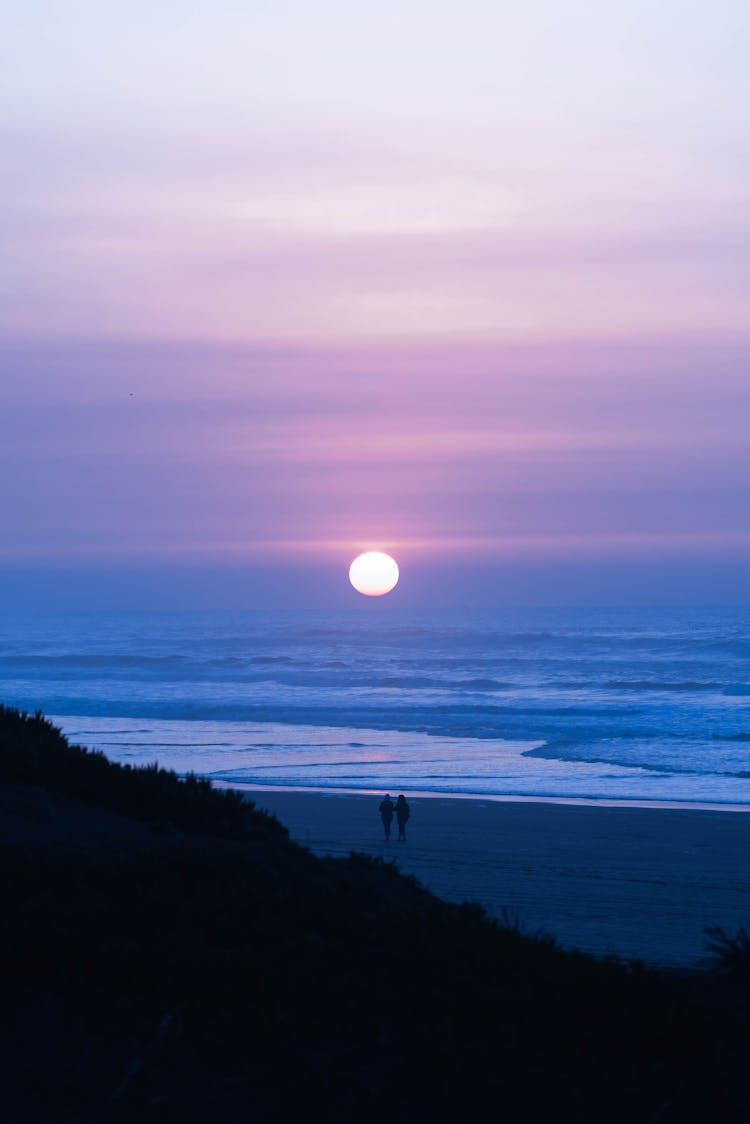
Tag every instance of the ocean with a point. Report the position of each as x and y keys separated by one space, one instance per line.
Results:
x=625 y=705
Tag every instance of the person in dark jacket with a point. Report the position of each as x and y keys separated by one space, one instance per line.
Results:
x=386 y=814
x=402 y=815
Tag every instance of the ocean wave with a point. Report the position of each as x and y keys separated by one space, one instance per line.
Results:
x=170 y=744
x=458 y=717
x=729 y=647
x=129 y=732
x=482 y=685
x=655 y=685
x=411 y=683
x=589 y=756
x=81 y=660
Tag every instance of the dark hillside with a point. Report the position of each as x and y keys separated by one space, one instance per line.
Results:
x=169 y=955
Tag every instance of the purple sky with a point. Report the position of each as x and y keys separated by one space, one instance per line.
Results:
x=284 y=283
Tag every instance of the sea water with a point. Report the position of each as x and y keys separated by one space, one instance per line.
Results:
x=609 y=704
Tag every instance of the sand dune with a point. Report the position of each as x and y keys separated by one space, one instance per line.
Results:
x=632 y=882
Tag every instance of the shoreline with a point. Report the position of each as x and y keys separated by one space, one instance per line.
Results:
x=495 y=798
x=253 y=757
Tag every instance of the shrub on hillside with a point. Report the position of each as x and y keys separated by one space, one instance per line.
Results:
x=34 y=751
x=732 y=953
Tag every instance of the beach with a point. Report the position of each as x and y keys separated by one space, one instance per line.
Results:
x=637 y=720
x=637 y=883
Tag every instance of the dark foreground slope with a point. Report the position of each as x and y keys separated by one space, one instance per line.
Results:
x=168 y=955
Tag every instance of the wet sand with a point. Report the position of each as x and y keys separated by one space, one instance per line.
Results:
x=632 y=882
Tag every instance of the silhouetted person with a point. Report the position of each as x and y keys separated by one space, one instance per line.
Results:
x=402 y=815
x=386 y=814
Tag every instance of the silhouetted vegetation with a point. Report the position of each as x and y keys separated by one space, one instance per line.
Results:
x=34 y=751
x=731 y=952
x=228 y=975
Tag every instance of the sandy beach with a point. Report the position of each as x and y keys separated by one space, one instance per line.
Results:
x=631 y=882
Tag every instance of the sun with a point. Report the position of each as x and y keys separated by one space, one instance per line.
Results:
x=373 y=573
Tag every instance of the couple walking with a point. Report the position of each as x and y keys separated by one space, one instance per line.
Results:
x=401 y=808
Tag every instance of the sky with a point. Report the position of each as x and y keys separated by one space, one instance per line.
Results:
x=285 y=281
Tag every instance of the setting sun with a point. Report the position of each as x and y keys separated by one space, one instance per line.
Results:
x=373 y=573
